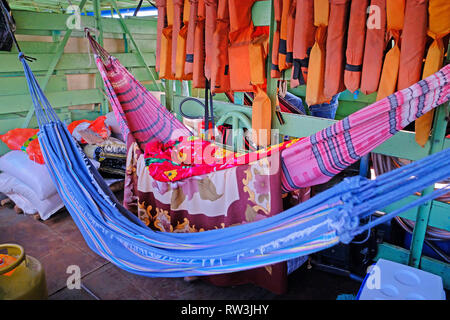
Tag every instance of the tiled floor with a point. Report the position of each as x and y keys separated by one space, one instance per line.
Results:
x=57 y=243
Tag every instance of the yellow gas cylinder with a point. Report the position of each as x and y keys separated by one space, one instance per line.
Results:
x=21 y=277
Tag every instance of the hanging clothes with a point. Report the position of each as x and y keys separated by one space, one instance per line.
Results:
x=355 y=44
x=161 y=6
x=395 y=10
x=438 y=28
x=190 y=37
x=316 y=66
x=198 y=76
x=374 y=46
x=335 y=50
x=275 y=71
x=181 y=45
x=165 y=68
x=414 y=39
x=240 y=36
x=177 y=20
x=220 y=76
x=290 y=33
x=210 y=28
x=304 y=31
x=282 y=49
x=247 y=54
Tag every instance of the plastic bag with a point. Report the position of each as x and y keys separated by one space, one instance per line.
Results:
x=24 y=139
x=98 y=126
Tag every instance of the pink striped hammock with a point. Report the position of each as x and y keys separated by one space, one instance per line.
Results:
x=306 y=162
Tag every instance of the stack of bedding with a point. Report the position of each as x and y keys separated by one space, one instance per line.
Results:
x=25 y=180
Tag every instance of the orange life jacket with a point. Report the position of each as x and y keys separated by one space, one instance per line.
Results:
x=240 y=36
x=165 y=67
x=395 y=10
x=438 y=28
x=275 y=69
x=210 y=27
x=414 y=39
x=198 y=76
x=374 y=47
x=161 y=5
x=290 y=33
x=189 y=62
x=177 y=19
x=258 y=50
x=282 y=49
x=304 y=31
x=247 y=53
x=220 y=76
x=181 y=45
x=316 y=66
x=261 y=118
x=335 y=51
x=355 y=44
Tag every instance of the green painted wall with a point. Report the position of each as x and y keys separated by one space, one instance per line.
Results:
x=39 y=35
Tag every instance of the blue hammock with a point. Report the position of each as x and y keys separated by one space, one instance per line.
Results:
x=120 y=237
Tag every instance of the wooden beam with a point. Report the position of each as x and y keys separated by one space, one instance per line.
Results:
x=10 y=86
x=71 y=61
x=20 y=103
x=42 y=21
x=439 y=217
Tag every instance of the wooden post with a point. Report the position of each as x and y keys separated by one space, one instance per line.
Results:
x=423 y=212
x=169 y=95
x=98 y=78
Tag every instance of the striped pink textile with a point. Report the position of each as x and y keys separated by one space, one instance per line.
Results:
x=138 y=112
x=321 y=156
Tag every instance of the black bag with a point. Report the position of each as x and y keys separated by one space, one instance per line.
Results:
x=6 y=39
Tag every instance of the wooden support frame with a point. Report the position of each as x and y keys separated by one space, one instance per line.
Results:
x=58 y=53
x=99 y=26
x=152 y=73
x=424 y=211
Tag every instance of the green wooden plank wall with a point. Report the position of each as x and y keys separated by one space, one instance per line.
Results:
x=75 y=97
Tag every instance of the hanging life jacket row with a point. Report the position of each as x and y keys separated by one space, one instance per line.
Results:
x=213 y=40
x=368 y=45
x=330 y=45
x=215 y=44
